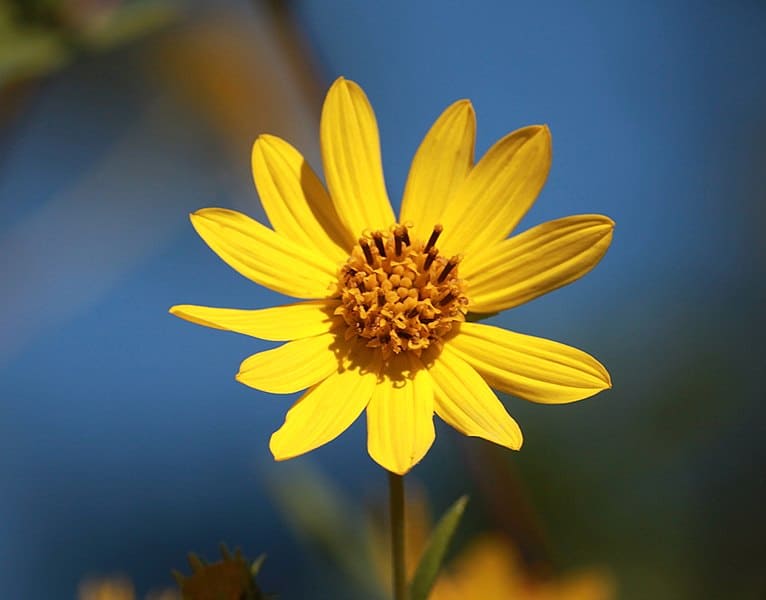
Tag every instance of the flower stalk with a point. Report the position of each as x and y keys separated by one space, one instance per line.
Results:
x=396 y=504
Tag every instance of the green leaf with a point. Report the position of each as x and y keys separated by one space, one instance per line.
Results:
x=27 y=53
x=320 y=514
x=431 y=563
x=128 y=22
x=257 y=564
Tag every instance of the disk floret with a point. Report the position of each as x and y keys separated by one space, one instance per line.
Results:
x=400 y=294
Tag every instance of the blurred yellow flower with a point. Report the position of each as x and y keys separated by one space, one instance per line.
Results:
x=383 y=323
x=117 y=588
x=489 y=569
x=107 y=589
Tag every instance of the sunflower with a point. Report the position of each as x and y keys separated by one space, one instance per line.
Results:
x=388 y=310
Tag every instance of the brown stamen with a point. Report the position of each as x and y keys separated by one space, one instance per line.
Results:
x=447 y=299
x=367 y=252
x=402 y=305
x=434 y=236
x=451 y=264
x=399 y=238
x=378 y=239
x=430 y=258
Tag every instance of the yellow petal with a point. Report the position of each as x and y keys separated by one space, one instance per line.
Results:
x=263 y=255
x=326 y=410
x=440 y=165
x=291 y=367
x=280 y=323
x=497 y=192
x=465 y=401
x=400 y=427
x=535 y=262
x=529 y=367
x=351 y=158
x=295 y=201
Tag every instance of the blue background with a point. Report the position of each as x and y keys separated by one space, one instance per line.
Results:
x=125 y=441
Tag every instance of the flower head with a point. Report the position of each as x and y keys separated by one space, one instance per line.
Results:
x=382 y=326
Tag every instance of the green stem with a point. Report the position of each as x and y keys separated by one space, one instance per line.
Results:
x=396 y=502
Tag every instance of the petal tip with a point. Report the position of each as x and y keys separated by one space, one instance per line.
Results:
x=534 y=130
x=597 y=221
x=391 y=467
x=257 y=145
x=239 y=377
x=275 y=450
x=607 y=380
x=258 y=156
x=605 y=229
x=537 y=138
x=202 y=221
x=397 y=470
x=541 y=133
x=515 y=438
x=266 y=139
x=198 y=215
x=512 y=442
x=604 y=377
x=341 y=81
x=281 y=450
x=350 y=87
x=545 y=131
x=467 y=114
x=466 y=105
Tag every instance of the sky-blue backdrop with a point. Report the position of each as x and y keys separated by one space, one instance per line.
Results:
x=124 y=440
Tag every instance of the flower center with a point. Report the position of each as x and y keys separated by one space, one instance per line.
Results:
x=399 y=294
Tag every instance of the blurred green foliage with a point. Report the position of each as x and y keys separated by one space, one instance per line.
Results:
x=39 y=36
x=433 y=556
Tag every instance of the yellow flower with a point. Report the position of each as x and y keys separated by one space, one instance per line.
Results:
x=106 y=589
x=383 y=323
x=117 y=588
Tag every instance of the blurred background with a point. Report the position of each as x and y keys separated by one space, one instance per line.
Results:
x=125 y=441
